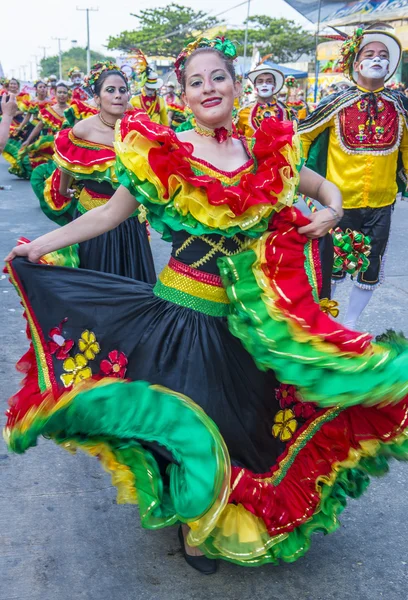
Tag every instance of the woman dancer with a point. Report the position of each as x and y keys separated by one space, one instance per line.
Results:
x=85 y=158
x=50 y=122
x=207 y=442
x=16 y=154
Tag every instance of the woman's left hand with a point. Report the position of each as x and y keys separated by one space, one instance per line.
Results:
x=321 y=223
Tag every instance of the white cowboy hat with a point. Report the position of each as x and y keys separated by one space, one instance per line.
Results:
x=153 y=82
x=262 y=68
x=390 y=41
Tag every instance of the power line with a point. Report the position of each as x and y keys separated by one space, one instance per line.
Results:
x=188 y=25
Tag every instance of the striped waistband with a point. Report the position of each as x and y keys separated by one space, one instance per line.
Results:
x=183 y=285
x=89 y=199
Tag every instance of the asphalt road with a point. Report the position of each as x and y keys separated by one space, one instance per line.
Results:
x=62 y=537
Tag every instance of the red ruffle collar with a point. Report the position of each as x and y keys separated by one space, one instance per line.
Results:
x=77 y=151
x=173 y=157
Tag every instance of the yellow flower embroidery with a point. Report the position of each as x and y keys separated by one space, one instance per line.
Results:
x=285 y=425
x=88 y=344
x=77 y=370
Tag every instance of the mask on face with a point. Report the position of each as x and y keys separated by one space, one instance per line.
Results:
x=265 y=90
x=76 y=80
x=374 y=68
x=150 y=92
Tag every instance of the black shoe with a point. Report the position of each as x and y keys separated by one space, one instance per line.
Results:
x=205 y=565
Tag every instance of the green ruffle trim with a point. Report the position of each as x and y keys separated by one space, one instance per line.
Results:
x=186 y=126
x=165 y=218
x=99 y=176
x=349 y=482
x=43 y=140
x=38 y=180
x=324 y=377
x=21 y=167
x=122 y=416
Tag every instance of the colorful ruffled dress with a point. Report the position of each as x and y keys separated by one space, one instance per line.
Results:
x=123 y=251
x=41 y=151
x=23 y=161
x=78 y=111
x=184 y=391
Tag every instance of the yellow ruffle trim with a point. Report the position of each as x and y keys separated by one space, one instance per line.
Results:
x=77 y=170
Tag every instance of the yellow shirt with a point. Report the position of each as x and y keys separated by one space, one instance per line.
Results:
x=247 y=117
x=366 y=178
x=156 y=110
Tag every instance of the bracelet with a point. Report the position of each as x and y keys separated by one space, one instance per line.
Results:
x=334 y=212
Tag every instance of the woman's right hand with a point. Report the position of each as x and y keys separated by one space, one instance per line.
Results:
x=28 y=250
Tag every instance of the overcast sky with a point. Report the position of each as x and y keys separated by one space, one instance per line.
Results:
x=26 y=25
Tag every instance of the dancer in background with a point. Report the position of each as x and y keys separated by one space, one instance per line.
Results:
x=267 y=83
x=187 y=420
x=50 y=122
x=14 y=153
x=293 y=102
x=358 y=138
x=8 y=109
x=148 y=99
x=86 y=179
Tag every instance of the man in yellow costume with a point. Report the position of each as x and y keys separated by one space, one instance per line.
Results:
x=150 y=101
x=358 y=139
x=267 y=83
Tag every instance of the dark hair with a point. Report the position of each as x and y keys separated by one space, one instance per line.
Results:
x=16 y=80
x=97 y=88
x=62 y=84
x=37 y=83
x=229 y=65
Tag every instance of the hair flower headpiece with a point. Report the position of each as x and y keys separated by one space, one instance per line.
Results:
x=73 y=70
x=97 y=70
x=221 y=44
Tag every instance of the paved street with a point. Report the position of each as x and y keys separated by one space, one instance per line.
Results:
x=62 y=537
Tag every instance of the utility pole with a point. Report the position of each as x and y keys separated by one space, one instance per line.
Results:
x=35 y=57
x=30 y=62
x=59 y=54
x=246 y=35
x=88 y=40
x=44 y=49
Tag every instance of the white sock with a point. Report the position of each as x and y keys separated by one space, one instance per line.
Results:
x=358 y=301
x=333 y=289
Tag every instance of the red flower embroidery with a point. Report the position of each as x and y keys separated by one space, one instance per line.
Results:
x=286 y=395
x=304 y=410
x=115 y=365
x=58 y=344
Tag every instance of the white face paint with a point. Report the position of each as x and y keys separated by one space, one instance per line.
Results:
x=374 y=68
x=265 y=90
x=150 y=92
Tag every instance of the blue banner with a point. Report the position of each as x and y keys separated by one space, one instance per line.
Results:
x=335 y=10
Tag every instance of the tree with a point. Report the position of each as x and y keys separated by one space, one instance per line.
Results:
x=75 y=57
x=281 y=38
x=163 y=31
